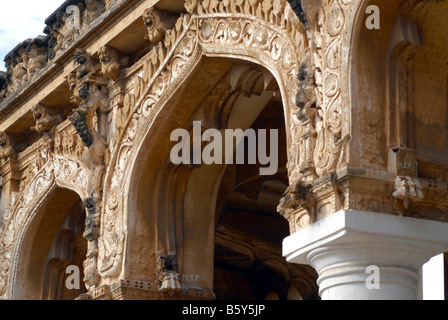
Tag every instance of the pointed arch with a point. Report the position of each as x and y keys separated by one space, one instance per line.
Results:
x=272 y=39
x=59 y=175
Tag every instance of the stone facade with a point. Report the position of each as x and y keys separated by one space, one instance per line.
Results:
x=86 y=116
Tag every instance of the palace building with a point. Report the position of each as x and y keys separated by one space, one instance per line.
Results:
x=93 y=207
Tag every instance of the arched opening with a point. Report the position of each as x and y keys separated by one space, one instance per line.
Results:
x=53 y=241
x=189 y=214
x=249 y=231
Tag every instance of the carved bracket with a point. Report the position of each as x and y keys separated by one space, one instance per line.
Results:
x=167 y=276
x=111 y=62
x=45 y=119
x=6 y=146
x=158 y=22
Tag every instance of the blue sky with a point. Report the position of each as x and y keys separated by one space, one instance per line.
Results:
x=22 y=19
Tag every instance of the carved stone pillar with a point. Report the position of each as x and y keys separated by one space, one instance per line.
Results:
x=367 y=256
x=90 y=121
x=10 y=173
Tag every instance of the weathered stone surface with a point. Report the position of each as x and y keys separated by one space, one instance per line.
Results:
x=362 y=124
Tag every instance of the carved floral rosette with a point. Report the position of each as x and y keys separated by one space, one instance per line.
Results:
x=260 y=32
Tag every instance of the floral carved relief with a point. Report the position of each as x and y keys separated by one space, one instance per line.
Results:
x=319 y=130
x=84 y=154
x=325 y=34
x=56 y=172
x=248 y=30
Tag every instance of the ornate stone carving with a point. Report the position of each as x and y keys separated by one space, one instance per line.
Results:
x=158 y=22
x=45 y=172
x=270 y=36
x=167 y=277
x=80 y=122
x=111 y=63
x=45 y=119
x=93 y=9
x=92 y=276
x=331 y=143
x=305 y=203
x=4 y=82
x=89 y=120
x=90 y=93
x=260 y=31
x=306 y=100
x=295 y=195
x=15 y=63
x=407 y=189
x=36 y=57
x=62 y=35
x=6 y=146
x=306 y=97
x=321 y=143
x=23 y=63
x=84 y=66
x=42 y=150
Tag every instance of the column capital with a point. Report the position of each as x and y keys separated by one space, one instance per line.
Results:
x=342 y=247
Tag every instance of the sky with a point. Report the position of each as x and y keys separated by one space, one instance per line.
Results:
x=21 y=20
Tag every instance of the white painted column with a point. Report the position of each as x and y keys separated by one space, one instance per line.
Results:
x=367 y=256
x=433 y=281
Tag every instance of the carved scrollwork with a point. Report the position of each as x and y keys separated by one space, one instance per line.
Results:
x=57 y=171
x=270 y=35
x=260 y=31
x=322 y=142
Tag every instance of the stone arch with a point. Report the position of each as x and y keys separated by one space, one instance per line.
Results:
x=58 y=175
x=169 y=217
x=271 y=38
